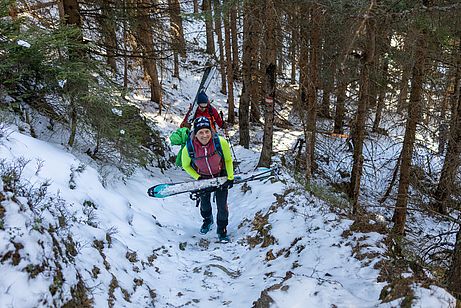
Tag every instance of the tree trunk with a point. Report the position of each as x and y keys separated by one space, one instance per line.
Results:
x=358 y=129
x=382 y=83
x=175 y=64
x=340 y=102
x=177 y=30
x=270 y=84
x=328 y=69
x=403 y=94
x=312 y=86
x=125 y=47
x=195 y=6
x=414 y=114
x=443 y=125
x=108 y=32
x=206 y=9
x=452 y=158
x=72 y=17
x=218 y=30
x=294 y=43
x=144 y=37
x=245 y=99
x=234 y=39
x=229 y=71
x=255 y=94
x=454 y=273
x=382 y=95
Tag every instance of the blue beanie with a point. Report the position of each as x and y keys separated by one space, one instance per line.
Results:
x=201 y=122
x=202 y=98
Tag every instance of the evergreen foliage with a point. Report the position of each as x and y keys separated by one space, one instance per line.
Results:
x=36 y=68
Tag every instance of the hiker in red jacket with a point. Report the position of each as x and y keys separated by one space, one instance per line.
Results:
x=205 y=109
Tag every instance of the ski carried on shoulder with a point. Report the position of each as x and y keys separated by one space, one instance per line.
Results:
x=197 y=187
x=208 y=75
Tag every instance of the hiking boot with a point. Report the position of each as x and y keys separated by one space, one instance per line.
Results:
x=206 y=226
x=222 y=236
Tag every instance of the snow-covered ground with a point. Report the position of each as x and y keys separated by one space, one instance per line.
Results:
x=136 y=251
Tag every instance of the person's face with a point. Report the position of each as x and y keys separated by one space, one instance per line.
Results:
x=204 y=135
x=203 y=106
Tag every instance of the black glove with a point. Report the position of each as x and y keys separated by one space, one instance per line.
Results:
x=227 y=184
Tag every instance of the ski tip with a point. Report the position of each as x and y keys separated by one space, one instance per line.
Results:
x=155 y=191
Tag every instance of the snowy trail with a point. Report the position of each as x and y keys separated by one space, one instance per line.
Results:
x=139 y=251
x=201 y=270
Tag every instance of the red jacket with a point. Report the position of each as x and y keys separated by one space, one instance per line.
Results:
x=213 y=117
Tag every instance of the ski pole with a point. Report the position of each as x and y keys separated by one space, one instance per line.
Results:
x=232 y=147
x=226 y=135
x=259 y=176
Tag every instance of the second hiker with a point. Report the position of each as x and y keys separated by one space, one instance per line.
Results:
x=206 y=156
x=205 y=109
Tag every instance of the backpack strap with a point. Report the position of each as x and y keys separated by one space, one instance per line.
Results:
x=190 y=149
x=212 y=119
x=217 y=145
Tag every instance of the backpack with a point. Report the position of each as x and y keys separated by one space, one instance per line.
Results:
x=191 y=151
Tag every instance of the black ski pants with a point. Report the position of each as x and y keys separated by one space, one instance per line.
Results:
x=221 y=202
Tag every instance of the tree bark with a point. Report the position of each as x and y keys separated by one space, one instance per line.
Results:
x=452 y=159
x=234 y=39
x=195 y=2
x=145 y=40
x=248 y=51
x=443 y=126
x=270 y=84
x=125 y=30
x=255 y=93
x=206 y=9
x=340 y=110
x=454 y=273
x=358 y=130
x=311 y=84
x=218 y=30
x=328 y=69
x=382 y=83
x=108 y=32
x=294 y=43
x=177 y=30
x=72 y=17
x=229 y=69
x=414 y=115
x=177 y=34
x=403 y=94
